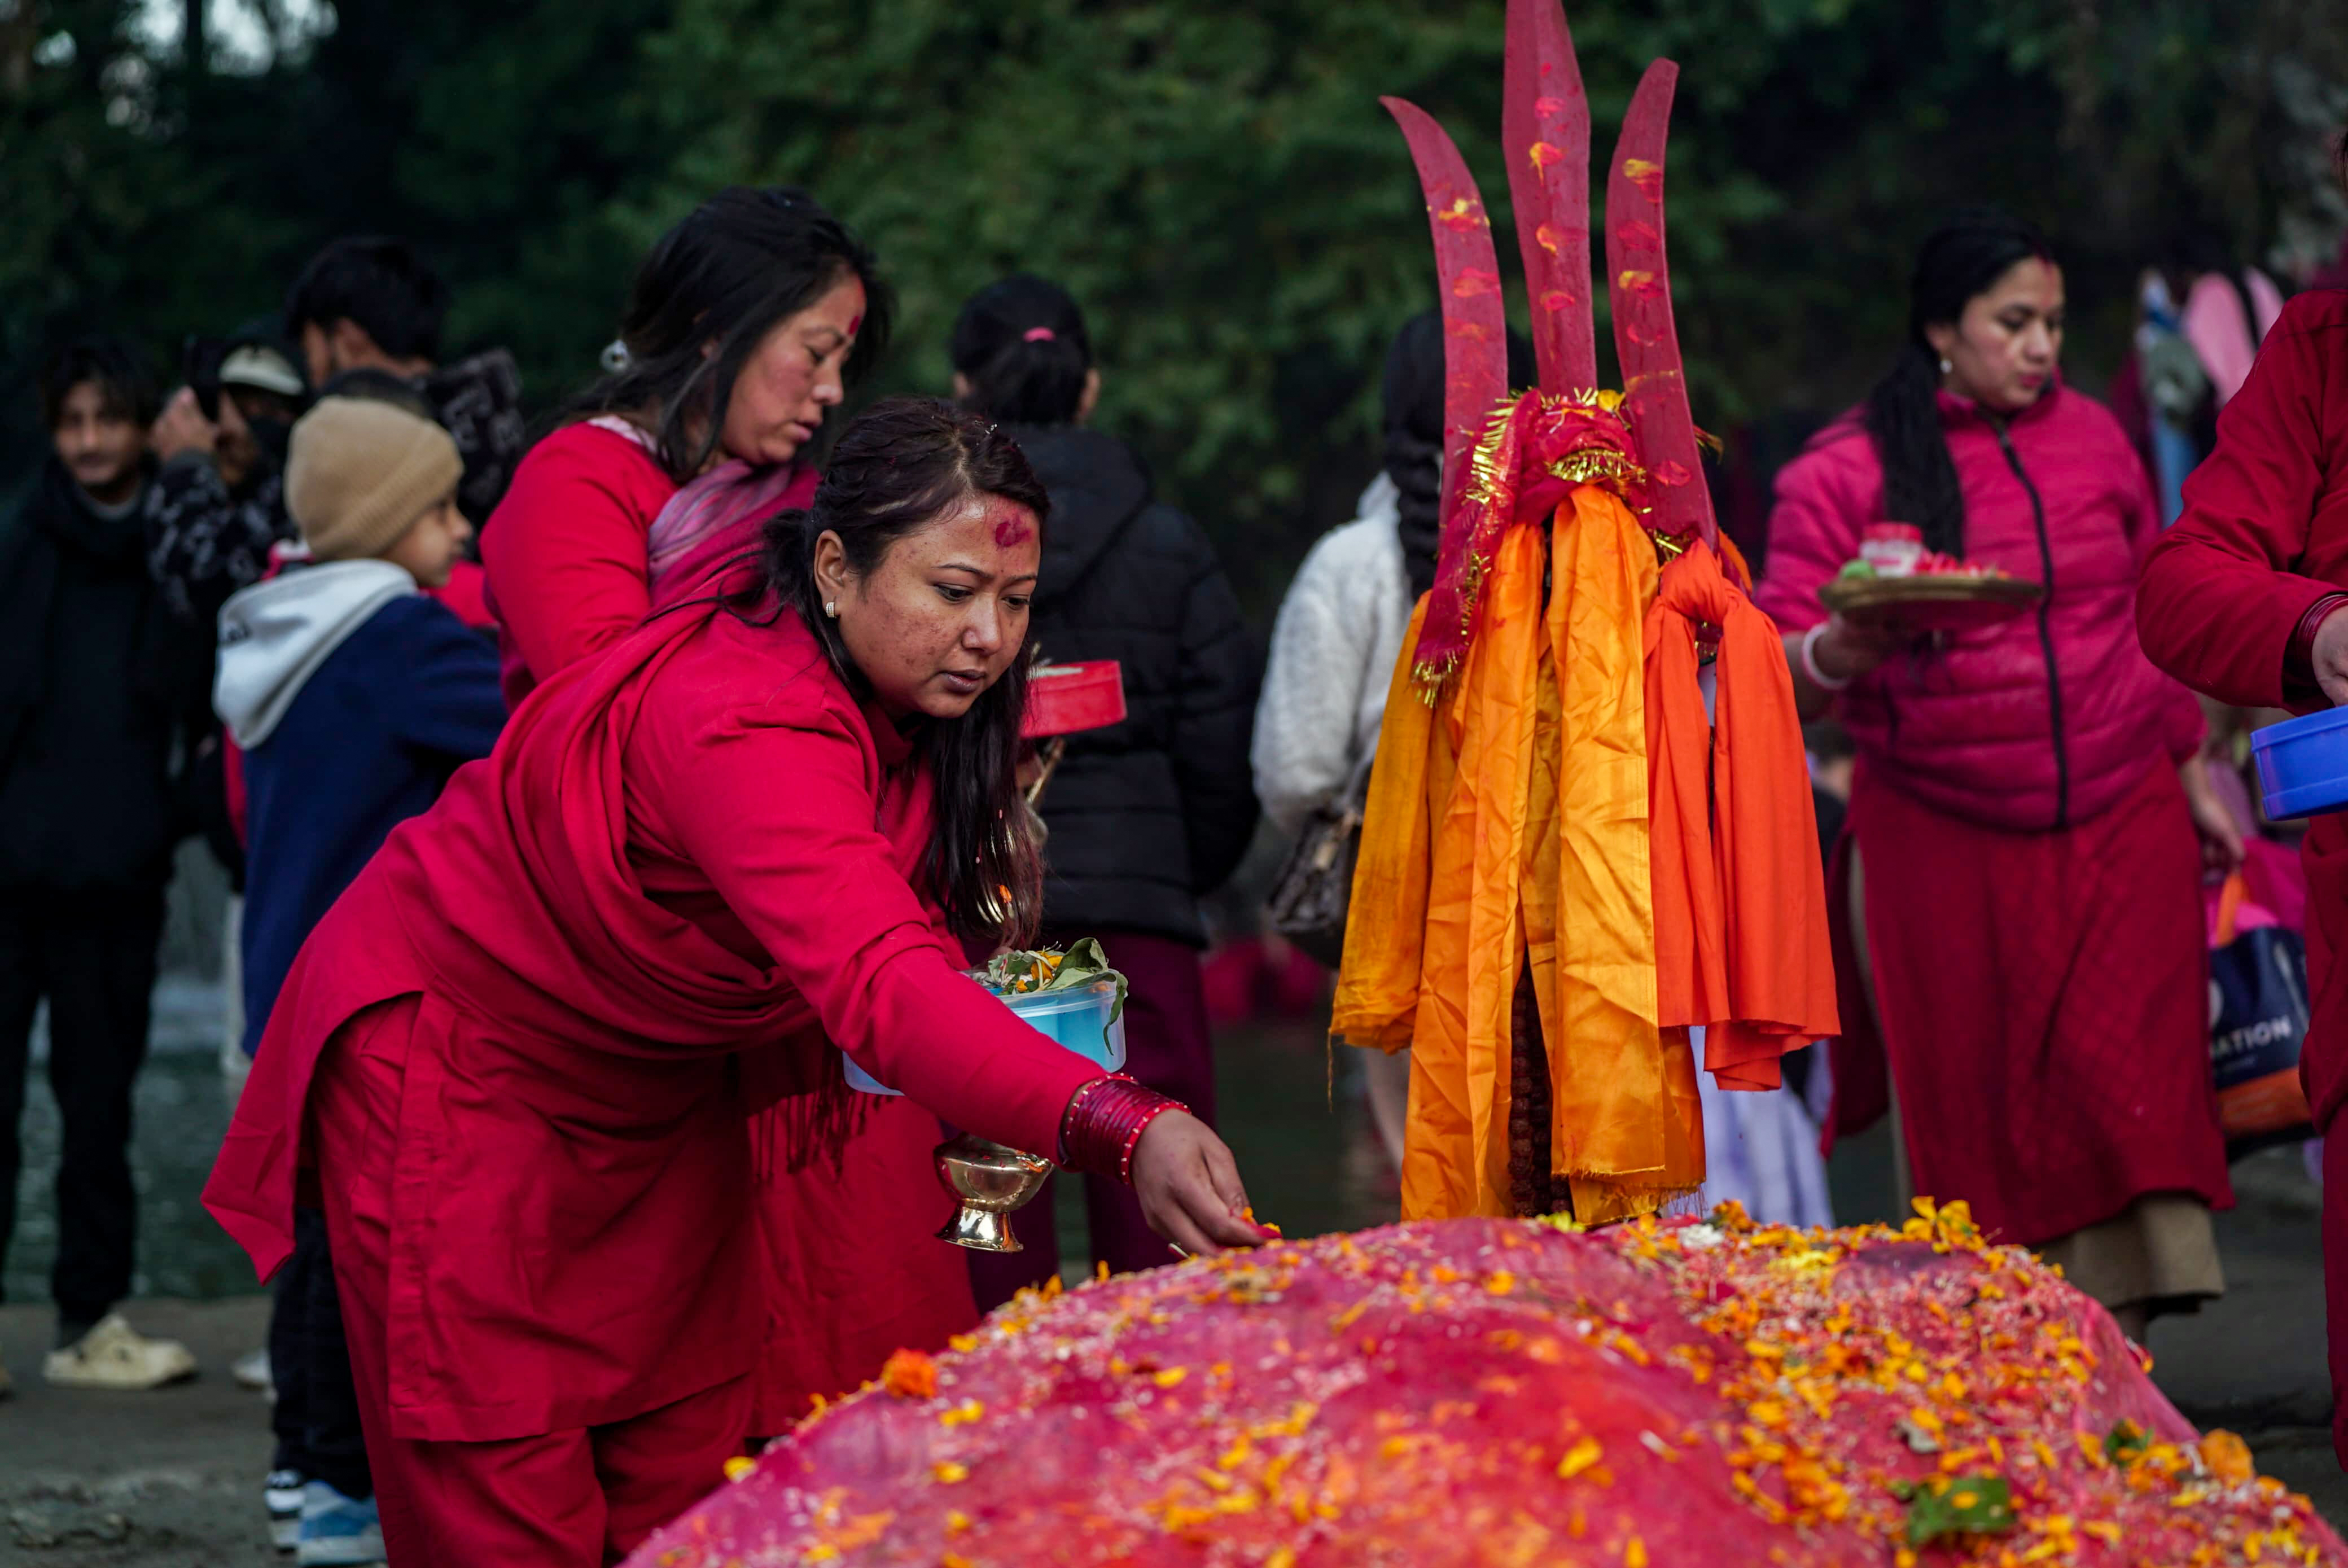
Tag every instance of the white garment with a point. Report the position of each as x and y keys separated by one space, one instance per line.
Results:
x=1333 y=657
x=1762 y=1149
x=274 y=635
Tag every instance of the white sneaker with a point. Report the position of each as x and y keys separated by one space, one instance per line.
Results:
x=251 y=1371
x=338 y=1532
x=116 y=1355
x=283 y=1493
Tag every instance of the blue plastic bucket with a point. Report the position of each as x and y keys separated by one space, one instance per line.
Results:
x=2304 y=764
x=1076 y=1019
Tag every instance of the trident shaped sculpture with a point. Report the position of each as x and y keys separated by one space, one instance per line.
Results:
x=1508 y=458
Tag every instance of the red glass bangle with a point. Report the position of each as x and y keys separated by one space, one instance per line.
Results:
x=1104 y=1123
x=2299 y=653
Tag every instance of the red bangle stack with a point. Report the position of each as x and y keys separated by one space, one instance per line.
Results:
x=2299 y=653
x=1104 y=1122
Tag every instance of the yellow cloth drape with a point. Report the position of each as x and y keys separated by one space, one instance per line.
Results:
x=1624 y=1121
x=1506 y=826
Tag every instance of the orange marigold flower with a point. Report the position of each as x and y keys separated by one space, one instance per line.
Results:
x=2228 y=1457
x=911 y=1375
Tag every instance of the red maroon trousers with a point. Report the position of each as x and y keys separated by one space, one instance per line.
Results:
x=2324 y=1066
x=2041 y=1000
x=847 y=1240
x=582 y=1497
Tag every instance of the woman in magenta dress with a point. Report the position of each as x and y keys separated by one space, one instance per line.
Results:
x=2019 y=893
x=748 y=322
x=515 y=1060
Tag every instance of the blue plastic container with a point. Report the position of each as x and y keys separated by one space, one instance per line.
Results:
x=1076 y=1019
x=2304 y=764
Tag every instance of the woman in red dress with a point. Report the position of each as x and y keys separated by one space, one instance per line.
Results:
x=2021 y=914
x=514 y=1062
x=2239 y=600
x=747 y=325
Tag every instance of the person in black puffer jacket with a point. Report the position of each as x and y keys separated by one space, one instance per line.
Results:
x=1147 y=815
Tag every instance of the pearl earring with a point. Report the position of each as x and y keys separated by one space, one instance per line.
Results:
x=1946 y=365
x=831 y=608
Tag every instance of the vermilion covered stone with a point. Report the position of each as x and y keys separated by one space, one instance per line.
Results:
x=1497 y=1392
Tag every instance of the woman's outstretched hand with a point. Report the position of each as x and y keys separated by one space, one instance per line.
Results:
x=1189 y=1188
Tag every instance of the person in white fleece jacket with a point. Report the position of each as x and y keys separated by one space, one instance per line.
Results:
x=1340 y=629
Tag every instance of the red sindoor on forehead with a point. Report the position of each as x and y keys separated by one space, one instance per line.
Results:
x=1011 y=523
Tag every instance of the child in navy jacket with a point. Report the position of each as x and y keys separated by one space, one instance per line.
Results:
x=353 y=696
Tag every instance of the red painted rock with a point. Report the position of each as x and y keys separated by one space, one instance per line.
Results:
x=1498 y=1392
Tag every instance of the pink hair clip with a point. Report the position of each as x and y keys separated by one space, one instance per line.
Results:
x=1040 y=335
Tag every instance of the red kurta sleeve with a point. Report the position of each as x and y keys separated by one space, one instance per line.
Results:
x=565 y=550
x=2218 y=599
x=2182 y=726
x=779 y=813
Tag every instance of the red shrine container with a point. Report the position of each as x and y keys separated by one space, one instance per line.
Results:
x=1063 y=699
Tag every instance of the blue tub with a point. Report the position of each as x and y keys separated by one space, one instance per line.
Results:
x=2304 y=764
x=1076 y=1019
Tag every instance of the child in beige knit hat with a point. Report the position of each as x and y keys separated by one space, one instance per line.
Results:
x=366 y=480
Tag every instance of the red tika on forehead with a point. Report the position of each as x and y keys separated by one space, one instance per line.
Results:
x=1013 y=524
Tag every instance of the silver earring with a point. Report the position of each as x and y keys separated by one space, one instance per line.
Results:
x=831 y=608
x=1946 y=366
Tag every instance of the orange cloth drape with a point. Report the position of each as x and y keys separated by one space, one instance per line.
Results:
x=1508 y=826
x=1385 y=922
x=1625 y=1126
x=1455 y=1148
x=1740 y=900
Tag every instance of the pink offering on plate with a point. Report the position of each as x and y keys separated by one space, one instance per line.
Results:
x=1893 y=549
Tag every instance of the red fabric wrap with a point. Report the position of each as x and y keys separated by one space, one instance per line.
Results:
x=2042 y=999
x=598 y=917
x=1744 y=959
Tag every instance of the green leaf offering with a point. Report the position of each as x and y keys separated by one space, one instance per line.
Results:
x=1027 y=973
x=1957 y=1505
x=2126 y=1442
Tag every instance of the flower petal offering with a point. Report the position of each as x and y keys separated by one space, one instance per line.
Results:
x=1484 y=1391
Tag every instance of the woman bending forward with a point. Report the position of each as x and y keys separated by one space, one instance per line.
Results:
x=511 y=1062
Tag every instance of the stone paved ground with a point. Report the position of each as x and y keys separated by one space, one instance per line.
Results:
x=171 y=1480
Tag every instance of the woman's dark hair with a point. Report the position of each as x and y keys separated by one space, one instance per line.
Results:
x=1021 y=344
x=738 y=263
x=1412 y=394
x=1962 y=258
x=897 y=466
x=120 y=369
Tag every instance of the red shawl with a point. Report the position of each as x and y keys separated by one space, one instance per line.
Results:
x=698 y=843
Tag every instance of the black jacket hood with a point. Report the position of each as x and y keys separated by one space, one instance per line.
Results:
x=1098 y=486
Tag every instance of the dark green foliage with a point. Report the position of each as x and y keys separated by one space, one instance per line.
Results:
x=1214 y=181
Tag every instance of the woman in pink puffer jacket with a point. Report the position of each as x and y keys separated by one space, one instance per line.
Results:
x=2019 y=876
